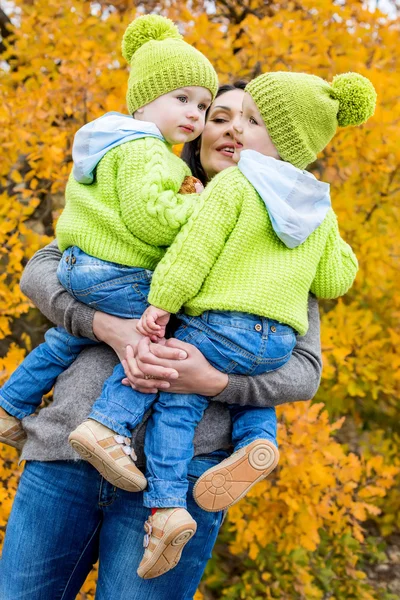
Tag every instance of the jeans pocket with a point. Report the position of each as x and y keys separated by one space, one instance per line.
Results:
x=123 y=302
x=281 y=346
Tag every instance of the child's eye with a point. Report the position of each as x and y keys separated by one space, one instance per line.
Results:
x=183 y=99
x=253 y=121
x=202 y=107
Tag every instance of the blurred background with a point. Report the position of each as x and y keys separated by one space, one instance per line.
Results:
x=326 y=524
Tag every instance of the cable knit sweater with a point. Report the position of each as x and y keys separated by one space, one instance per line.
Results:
x=228 y=257
x=133 y=210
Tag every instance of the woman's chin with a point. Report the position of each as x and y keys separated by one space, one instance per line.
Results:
x=223 y=162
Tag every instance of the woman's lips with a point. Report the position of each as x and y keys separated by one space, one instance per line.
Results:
x=226 y=149
x=229 y=149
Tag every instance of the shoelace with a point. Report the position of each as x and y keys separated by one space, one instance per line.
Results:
x=126 y=446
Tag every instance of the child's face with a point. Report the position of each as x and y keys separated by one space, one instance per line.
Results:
x=251 y=134
x=179 y=115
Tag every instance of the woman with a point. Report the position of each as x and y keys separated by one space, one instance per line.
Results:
x=65 y=516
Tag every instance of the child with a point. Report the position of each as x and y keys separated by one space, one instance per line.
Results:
x=123 y=208
x=243 y=274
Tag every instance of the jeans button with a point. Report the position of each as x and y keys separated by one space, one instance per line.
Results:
x=73 y=260
x=273 y=328
x=67 y=259
x=258 y=327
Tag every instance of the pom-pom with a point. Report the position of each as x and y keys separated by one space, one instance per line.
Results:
x=356 y=96
x=143 y=30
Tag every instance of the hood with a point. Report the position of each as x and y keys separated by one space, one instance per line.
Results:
x=296 y=201
x=96 y=138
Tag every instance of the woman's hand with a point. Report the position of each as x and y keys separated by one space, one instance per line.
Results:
x=176 y=366
x=117 y=333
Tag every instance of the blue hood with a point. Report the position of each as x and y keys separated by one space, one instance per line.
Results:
x=296 y=201
x=96 y=138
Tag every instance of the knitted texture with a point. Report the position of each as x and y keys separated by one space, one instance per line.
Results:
x=162 y=62
x=228 y=257
x=133 y=210
x=302 y=112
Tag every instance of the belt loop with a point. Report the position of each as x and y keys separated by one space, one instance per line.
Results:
x=265 y=325
x=204 y=316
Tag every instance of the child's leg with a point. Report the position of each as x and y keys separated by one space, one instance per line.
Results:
x=35 y=376
x=250 y=423
x=169 y=450
x=104 y=439
x=246 y=345
x=256 y=455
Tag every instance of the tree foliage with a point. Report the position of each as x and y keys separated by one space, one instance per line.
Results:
x=300 y=534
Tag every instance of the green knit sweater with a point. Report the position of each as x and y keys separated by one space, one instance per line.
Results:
x=228 y=257
x=133 y=211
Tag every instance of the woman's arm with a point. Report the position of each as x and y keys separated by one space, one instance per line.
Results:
x=40 y=283
x=297 y=380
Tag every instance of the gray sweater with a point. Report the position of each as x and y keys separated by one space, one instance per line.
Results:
x=78 y=387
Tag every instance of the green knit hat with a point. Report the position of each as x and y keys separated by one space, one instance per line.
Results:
x=302 y=112
x=161 y=61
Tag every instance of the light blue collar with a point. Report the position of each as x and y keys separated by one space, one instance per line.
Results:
x=296 y=201
x=95 y=139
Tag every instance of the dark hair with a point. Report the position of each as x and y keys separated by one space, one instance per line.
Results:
x=191 y=150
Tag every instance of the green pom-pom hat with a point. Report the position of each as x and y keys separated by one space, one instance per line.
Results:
x=302 y=112
x=162 y=62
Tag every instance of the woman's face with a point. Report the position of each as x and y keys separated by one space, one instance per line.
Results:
x=217 y=142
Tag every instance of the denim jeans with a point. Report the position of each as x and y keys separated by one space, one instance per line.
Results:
x=65 y=517
x=108 y=287
x=233 y=342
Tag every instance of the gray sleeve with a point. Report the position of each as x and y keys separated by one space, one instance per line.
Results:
x=40 y=283
x=298 y=379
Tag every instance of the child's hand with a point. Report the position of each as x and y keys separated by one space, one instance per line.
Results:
x=199 y=187
x=153 y=322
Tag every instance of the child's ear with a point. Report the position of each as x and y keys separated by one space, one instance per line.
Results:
x=138 y=111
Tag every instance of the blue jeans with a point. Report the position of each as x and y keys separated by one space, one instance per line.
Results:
x=65 y=517
x=233 y=342
x=108 y=287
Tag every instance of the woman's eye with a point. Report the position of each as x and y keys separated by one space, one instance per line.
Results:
x=219 y=120
x=182 y=99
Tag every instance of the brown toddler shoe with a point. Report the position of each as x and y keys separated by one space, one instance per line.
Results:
x=11 y=431
x=225 y=484
x=109 y=453
x=167 y=533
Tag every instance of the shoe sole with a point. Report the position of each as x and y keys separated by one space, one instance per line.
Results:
x=225 y=484
x=17 y=445
x=168 y=552
x=110 y=472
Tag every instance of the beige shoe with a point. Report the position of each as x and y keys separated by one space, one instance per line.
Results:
x=11 y=431
x=109 y=453
x=167 y=533
x=225 y=484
